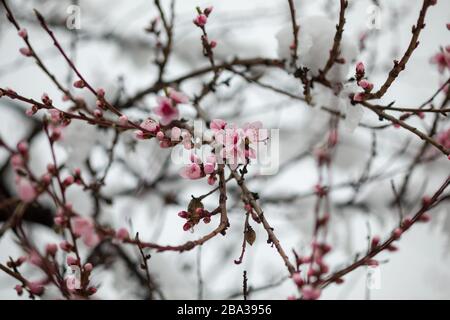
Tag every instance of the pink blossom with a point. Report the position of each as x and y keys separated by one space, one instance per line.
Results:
x=233 y=141
x=27 y=192
x=55 y=115
x=217 y=125
x=310 y=293
x=84 y=227
x=177 y=96
x=191 y=171
x=187 y=139
x=166 y=111
x=25 y=52
x=200 y=20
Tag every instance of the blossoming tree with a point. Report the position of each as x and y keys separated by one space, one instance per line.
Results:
x=216 y=186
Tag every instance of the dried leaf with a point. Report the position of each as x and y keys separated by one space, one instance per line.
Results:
x=250 y=235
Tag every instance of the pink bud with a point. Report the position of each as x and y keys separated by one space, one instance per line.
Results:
x=175 y=134
x=373 y=263
x=56 y=134
x=35 y=258
x=88 y=267
x=71 y=260
x=298 y=279
x=25 y=52
x=426 y=201
x=23 y=33
x=160 y=135
x=65 y=246
x=22 y=147
x=27 y=192
x=59 y=220
x=68 y=181
x=19 y=289
x=183 y=214
x=123 y=120
x=392 y=248
x=425 y=217
x=79 y=84
x=51 y=249
x=16 y=161
x=448 y=26
x=360 y=69
x=122 y=234
x=208 y=10
x=358 y=97
x=92 y=290
x=406 y=223
x=46 y=99
x=212 y=180
x=100 y=93
x=98 y=113
x=200 y=20
x=375 y=241
x=139 y=134
x=35 y=288
x=310 y=293
x=365 y=84
x=397 y=233
x=209 y=167
x=187 y=226
x=213 y=44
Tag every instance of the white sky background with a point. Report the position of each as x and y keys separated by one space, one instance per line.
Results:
x=247 y=29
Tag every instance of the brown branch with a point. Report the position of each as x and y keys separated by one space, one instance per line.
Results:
x=335 y=50
x=399 y=66
x=388 y=242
